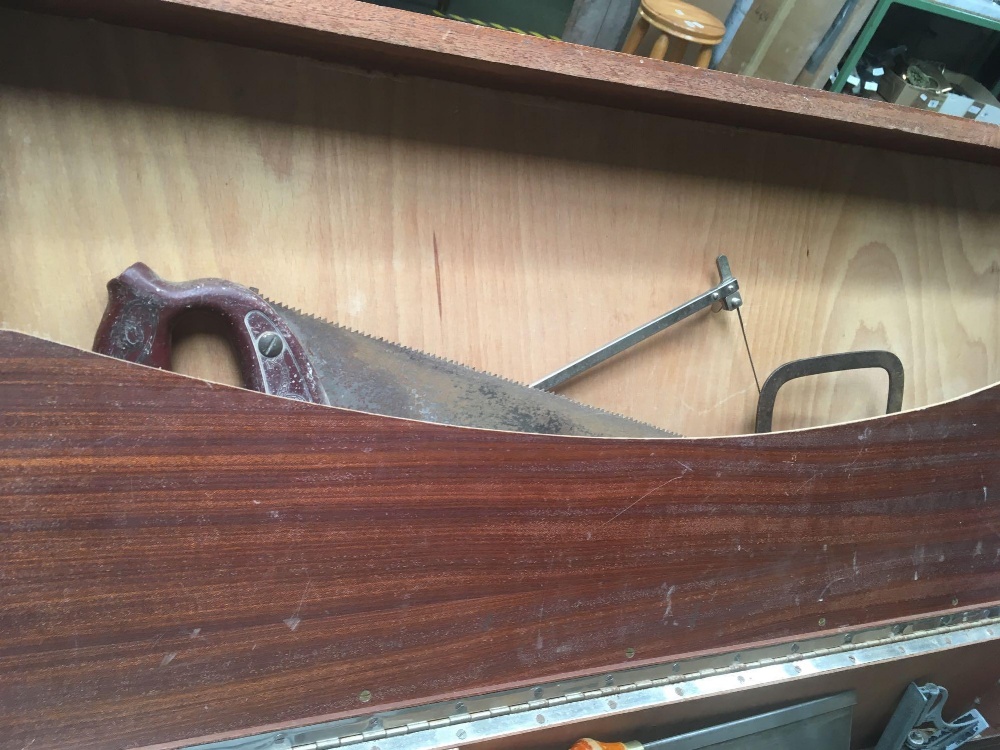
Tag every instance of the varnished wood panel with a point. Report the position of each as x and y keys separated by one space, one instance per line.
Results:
x=508 y=232
x=182 y=558
x=387 y=39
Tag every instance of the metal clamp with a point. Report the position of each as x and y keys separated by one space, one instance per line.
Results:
x=920 y=706
x=800 y=368
x=723 y=296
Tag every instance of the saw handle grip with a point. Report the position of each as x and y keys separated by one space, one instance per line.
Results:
x=142 y=309
x=589 y=744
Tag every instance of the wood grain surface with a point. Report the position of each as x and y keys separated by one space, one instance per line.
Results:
x=387 y=39
x=182 y=558
x=511 y=233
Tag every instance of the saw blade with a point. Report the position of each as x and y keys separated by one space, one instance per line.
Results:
x=371 y=374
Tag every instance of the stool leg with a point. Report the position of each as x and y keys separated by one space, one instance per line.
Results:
x=660 y=47
x=639 y=28
x=704 y=57
x=677 y=49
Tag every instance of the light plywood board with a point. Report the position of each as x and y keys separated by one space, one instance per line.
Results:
x=755 y=35
x=777 y=38
x=508 y=232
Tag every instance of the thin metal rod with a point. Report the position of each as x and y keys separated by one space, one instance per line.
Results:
x=746 y=343
x=725 y=293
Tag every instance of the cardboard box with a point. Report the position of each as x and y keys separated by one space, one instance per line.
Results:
x=834 y=45
x=968 y=98
x=776 y=38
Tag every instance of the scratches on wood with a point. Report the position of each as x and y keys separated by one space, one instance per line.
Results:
x=142 y=583
x=437 y=276
x=294 y=620
x=635 y=503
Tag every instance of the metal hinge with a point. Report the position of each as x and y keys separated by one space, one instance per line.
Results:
x=444 y=725
x=895 y=635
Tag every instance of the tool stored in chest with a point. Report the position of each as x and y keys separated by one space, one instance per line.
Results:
x=285 y=352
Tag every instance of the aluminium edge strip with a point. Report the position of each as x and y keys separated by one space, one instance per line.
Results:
x=443 y=725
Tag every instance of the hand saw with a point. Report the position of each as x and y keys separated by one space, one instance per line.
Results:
x=285 y=352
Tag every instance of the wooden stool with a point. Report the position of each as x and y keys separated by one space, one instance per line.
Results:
x=684 y=22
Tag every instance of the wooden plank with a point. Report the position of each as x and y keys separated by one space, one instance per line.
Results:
x=510 y=233
x=386 y=39
x=183 y=559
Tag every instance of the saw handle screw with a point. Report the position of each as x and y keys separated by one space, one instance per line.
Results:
x=270 y=344
x=142 y=309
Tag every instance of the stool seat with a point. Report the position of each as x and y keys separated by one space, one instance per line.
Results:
x=683 y=20
x=679 y=21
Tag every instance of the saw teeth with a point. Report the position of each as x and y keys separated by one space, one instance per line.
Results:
x=281 y=306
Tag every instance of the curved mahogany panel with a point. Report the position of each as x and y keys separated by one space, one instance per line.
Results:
x=179 y=559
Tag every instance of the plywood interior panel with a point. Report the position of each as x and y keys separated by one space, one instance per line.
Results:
x=509 y=232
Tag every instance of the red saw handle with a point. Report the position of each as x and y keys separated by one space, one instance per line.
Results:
x=142 y=309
